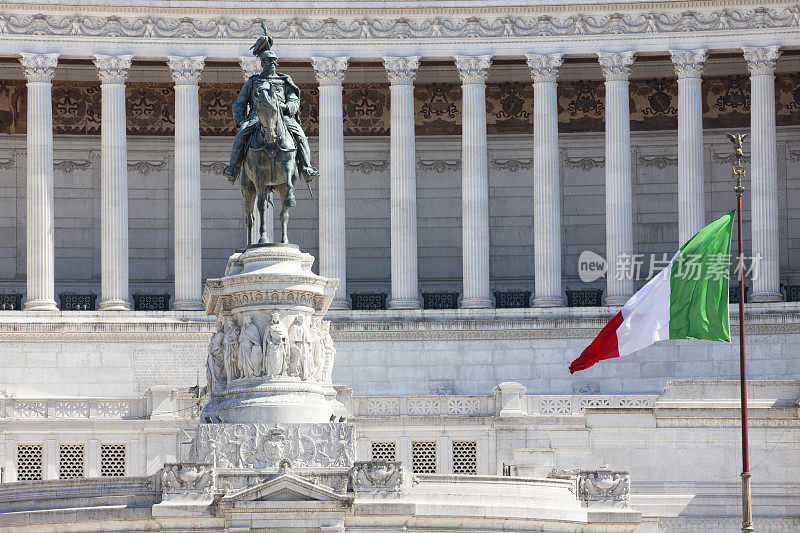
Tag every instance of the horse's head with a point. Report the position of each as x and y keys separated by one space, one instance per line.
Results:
x=269 y=115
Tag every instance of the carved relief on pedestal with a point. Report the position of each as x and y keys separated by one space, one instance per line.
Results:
x=295 y=345
x=259 y=445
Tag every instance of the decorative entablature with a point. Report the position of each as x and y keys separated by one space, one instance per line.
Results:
x=251 y=283
x=307 y=30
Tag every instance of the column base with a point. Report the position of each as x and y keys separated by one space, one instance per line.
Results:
x=404 y=303
x=114 y=304
x=476 y=303
x=765 y=297
x=188 y=305
x=340 y=304
x=616 y=301
x=548 y=301
x=41 y=304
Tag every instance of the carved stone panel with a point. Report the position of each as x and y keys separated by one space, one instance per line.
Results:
x=263 y=446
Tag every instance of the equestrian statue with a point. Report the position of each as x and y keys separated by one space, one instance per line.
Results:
x=271 y=149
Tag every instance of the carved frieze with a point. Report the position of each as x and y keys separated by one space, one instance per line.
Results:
x=262 y=446
x=524 y=25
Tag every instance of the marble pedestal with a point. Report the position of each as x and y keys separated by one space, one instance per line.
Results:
x=271 y=359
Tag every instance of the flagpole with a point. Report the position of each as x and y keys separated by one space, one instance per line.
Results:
x=738 y=173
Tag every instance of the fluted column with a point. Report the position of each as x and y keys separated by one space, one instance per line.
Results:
x=474 y=182
x=402 y=72
x=764 y=172
x=619 y=199
x=332 y=245
x=39 y=69
x=114 y=184
x=250 y=67
x=691 y=198
x=188 y=257
x=546 y=193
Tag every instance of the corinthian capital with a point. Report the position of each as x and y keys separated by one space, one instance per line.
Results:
x=330 y=70
x=616 y=66
x=688 y=63
x=39 y=67
x=544 y=68
x=473 y=69
x=401 y=70
x=112 y=69
x=250 y=66
x=761 y=59
x=186 y=70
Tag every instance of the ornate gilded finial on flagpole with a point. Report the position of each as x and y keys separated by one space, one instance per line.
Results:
x=738 y=170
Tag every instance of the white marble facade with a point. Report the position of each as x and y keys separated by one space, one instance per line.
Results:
x=397 y=214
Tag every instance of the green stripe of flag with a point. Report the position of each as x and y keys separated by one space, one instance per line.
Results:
x=698 y=307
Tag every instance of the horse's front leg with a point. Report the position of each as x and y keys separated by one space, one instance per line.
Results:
x=288 y=170
x=248 y=228
x=262 y=216
x=284 y=225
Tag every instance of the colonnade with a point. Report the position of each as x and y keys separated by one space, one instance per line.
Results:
x=401 y=72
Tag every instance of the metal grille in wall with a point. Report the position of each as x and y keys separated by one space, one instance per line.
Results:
x=588 y=298
x=10 y=302
x=512 y=299
x=465 y=457
x=439 y=300
x=384 y=451
x=733 y=293
x=112 y=460
x=423 y=457
x=29 y=462
x=372 y=301
x=793 y=293
x=78 y=302
x=151 y=302
x=70 y=461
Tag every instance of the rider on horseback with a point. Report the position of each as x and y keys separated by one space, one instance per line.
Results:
x=288 y=95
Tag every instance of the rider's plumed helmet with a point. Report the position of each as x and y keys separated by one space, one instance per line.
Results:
x=263 y=45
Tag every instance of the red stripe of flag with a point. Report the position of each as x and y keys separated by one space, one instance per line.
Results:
x=604 y=346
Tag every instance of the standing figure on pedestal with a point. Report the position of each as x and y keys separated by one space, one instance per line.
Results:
x=231 y=348
x=249 y=341
x=301 y=347
x=330 y=352
x=276 y=342
x=215 y=365
x=317 y=349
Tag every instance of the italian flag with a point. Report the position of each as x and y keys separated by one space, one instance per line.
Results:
x=686 y=300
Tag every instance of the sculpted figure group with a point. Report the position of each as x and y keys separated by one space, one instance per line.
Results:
x=296 y=347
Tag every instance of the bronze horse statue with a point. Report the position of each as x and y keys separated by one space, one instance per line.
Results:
x=269 y=165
